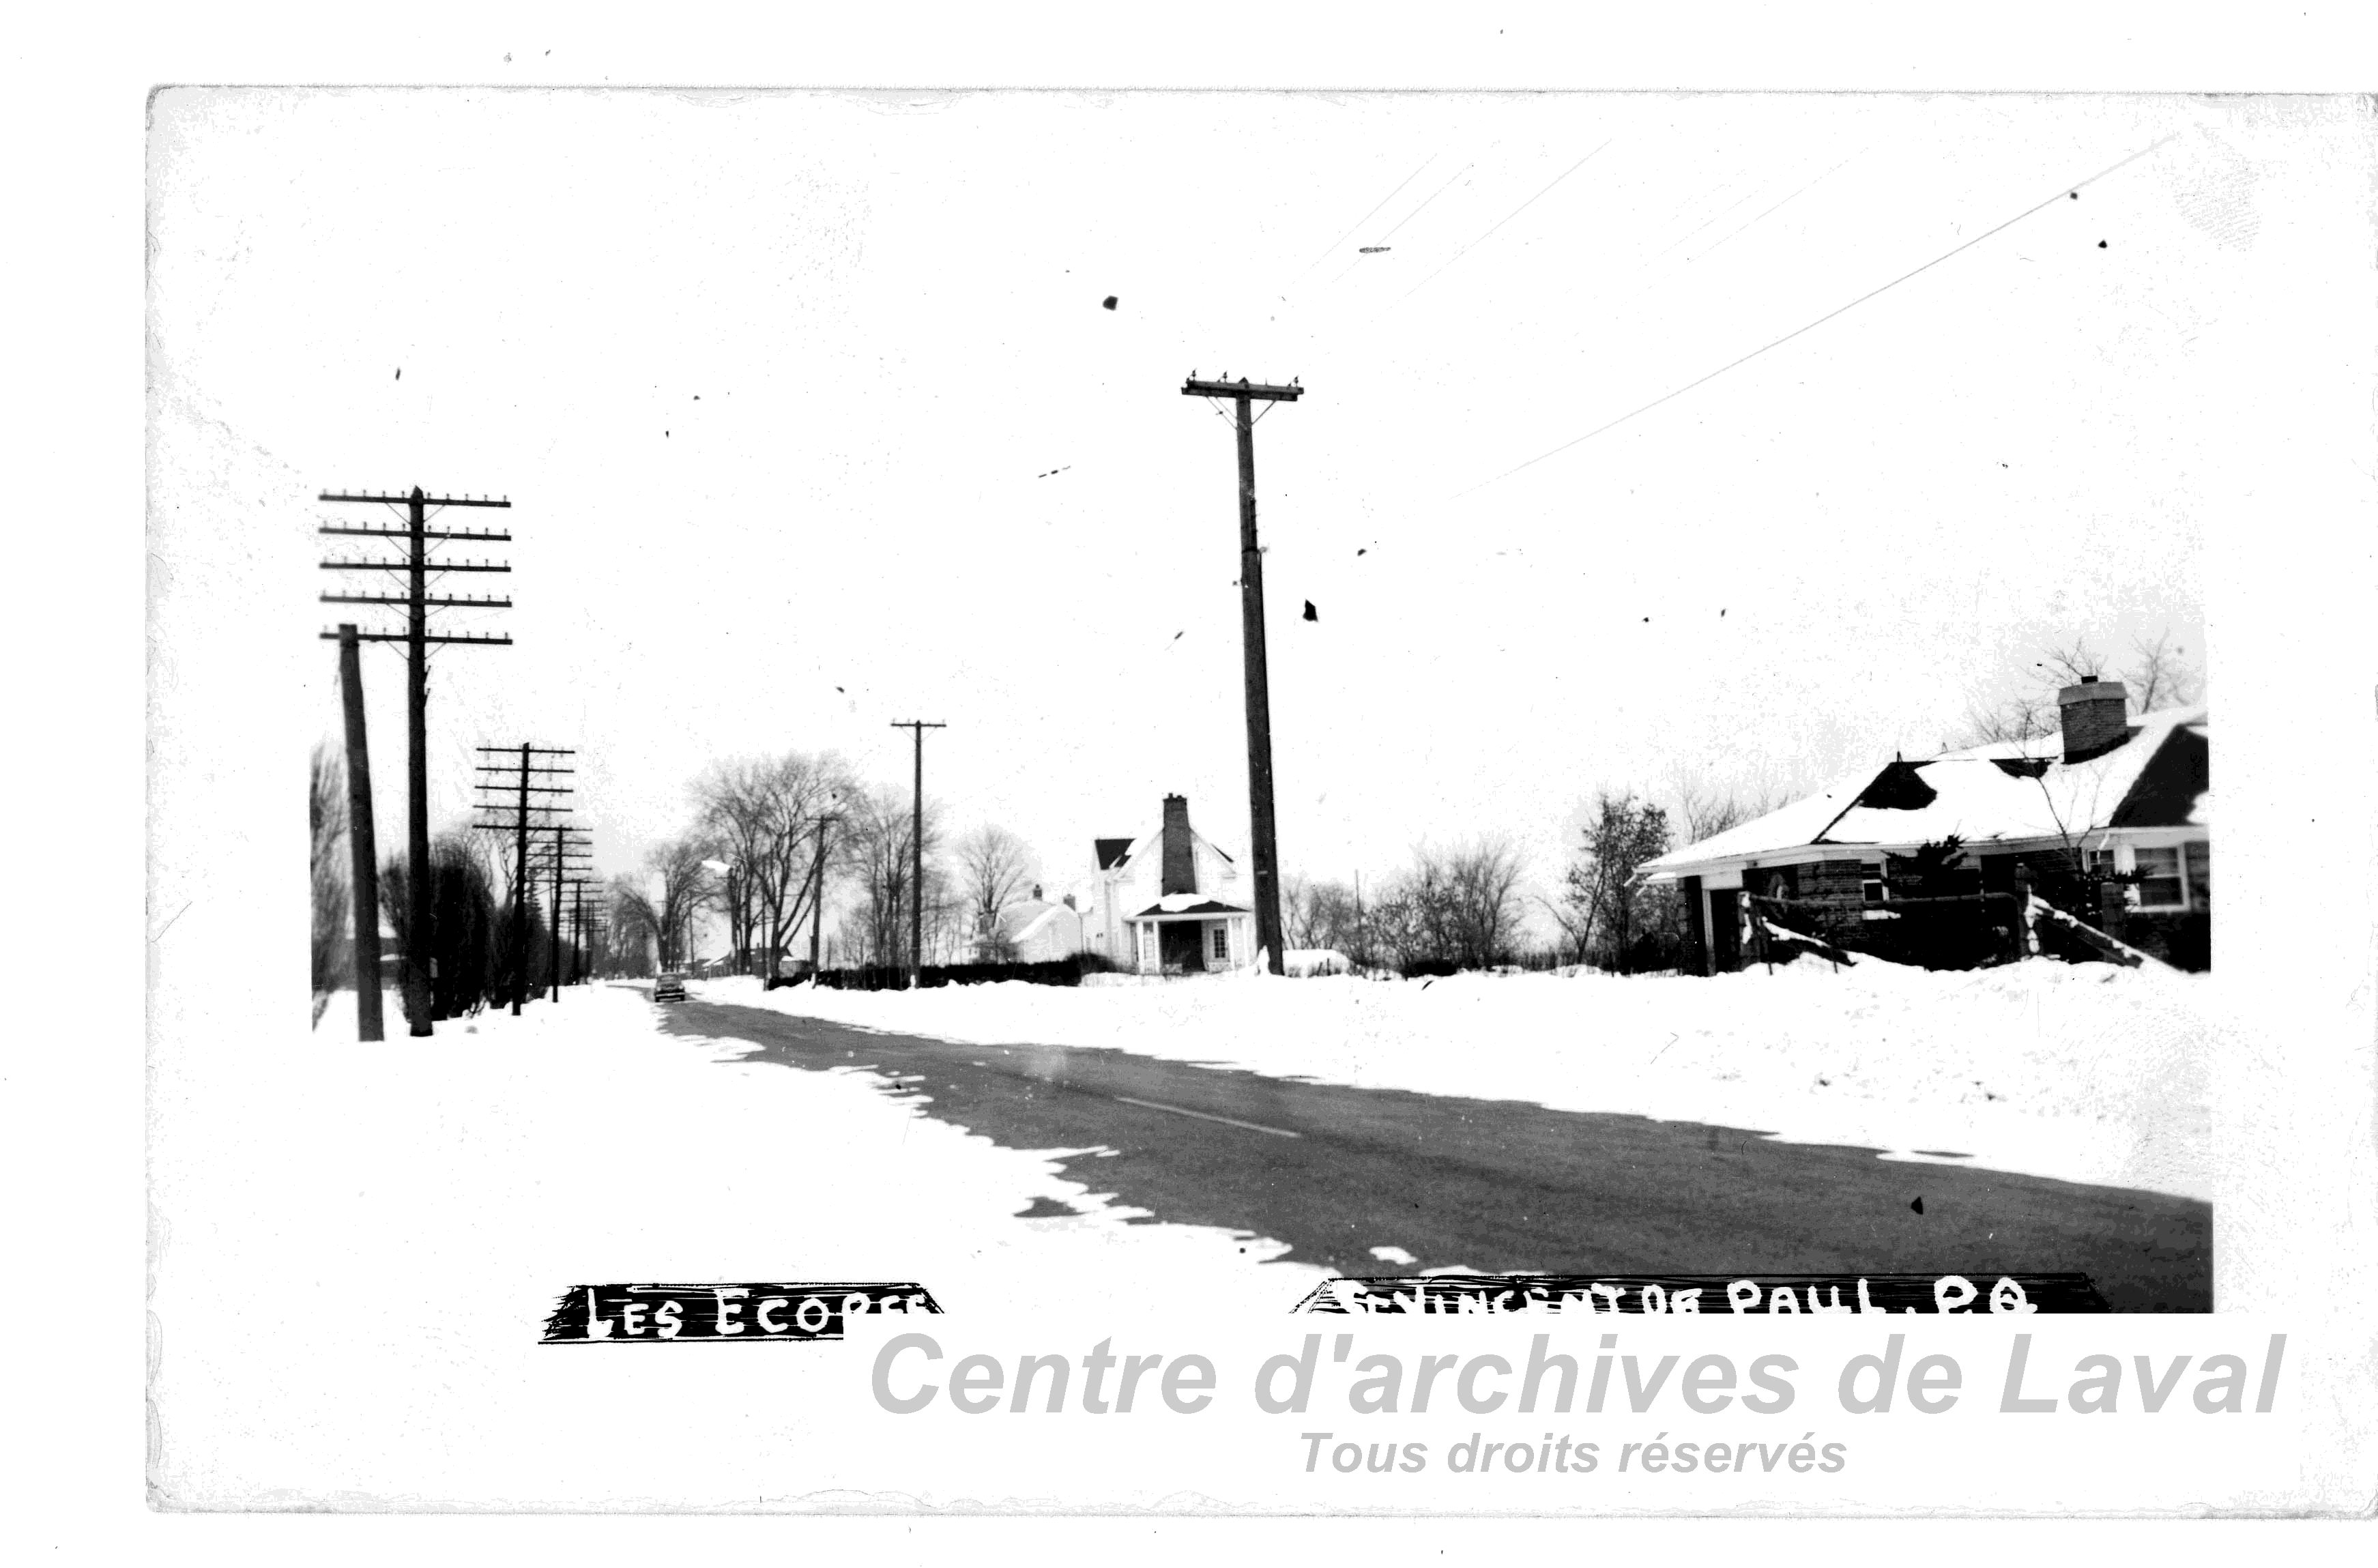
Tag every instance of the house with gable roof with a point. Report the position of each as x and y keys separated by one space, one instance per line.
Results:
x=2118 y=803
x=1031 y=930
x=1168 y=901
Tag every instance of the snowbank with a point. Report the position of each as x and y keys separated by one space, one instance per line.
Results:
x=358 y=1244
x=2078 y=1071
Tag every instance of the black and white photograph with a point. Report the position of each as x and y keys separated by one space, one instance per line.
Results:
x=1290 y=710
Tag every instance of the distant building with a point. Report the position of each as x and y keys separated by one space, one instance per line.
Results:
x=1167 y=902
x=1031 y=930
x=2118 y=806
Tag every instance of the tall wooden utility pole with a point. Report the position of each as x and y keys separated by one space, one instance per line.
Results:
x=1261 y=823
x=817 y=900
x=363 y=854
x=417 y=639
x=917 y=847
x=513 y=778
x=567 y=855
x=577 y=931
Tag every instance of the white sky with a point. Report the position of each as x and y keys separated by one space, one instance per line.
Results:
x=773 y=381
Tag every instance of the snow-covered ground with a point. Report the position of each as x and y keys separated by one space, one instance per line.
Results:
x=419 y=1205
x=2084 y=1072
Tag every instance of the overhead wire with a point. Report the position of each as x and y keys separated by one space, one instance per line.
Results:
x=1375 y=210
x=1400 y=223
x=2062 y=191
x=1490 y=233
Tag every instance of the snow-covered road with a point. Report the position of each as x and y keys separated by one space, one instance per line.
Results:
x=2082 y=1073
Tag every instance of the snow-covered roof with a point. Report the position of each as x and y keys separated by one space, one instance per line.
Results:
x=2005 y=792
x=1012 y=919
x=1188 y=904
x=1033 y=919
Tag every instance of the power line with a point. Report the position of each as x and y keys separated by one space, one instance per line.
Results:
x=1423 y=206
x=1373 y=211
x=1490 y=233
x=2073 y=189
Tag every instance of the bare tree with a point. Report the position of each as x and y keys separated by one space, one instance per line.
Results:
x=992 y=863
x=877 y=841
x=2161 y=675
x=327 y=810
x=1706 y=810
x=731 y=812
x=635 y=927
x=2070 y=663
x=1483 y=879
x=1320 y=916
x=1450 y=909
x=759 y=817
x=684 y=885
x=2023 y=717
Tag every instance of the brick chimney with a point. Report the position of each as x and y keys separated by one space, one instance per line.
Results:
x=2097 y=717
x=1180 y=865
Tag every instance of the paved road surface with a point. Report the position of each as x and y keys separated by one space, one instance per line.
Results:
x=1499 y=1185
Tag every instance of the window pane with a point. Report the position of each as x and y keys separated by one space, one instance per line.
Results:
x=2159 y=885
x=2200 y=875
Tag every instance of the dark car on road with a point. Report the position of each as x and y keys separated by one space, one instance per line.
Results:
x=669 y=987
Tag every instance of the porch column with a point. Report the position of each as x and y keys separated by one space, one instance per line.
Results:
x=1696 y=926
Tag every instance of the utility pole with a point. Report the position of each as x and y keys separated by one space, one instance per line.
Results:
x=577 y=931
x=416 y=637
x=1260 y=821
x=567 y=854
x=363 y=852
x=817 y=900
x=513 y=779
x=1361 y=947
x=916 y=844
x=553 y=948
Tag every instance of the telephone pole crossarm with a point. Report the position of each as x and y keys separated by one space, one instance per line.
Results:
x=407 y=566
x=418 y=497
x=1195 y=389
x=466 y=602
x=486 y=534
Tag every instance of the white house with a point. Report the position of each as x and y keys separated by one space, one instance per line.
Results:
x=1033 y=930
x=1168 y=901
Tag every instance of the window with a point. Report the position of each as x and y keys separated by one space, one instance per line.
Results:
x=1222 y=944
x=2160 y=885
x=2199 y=860
x=1872 y=885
